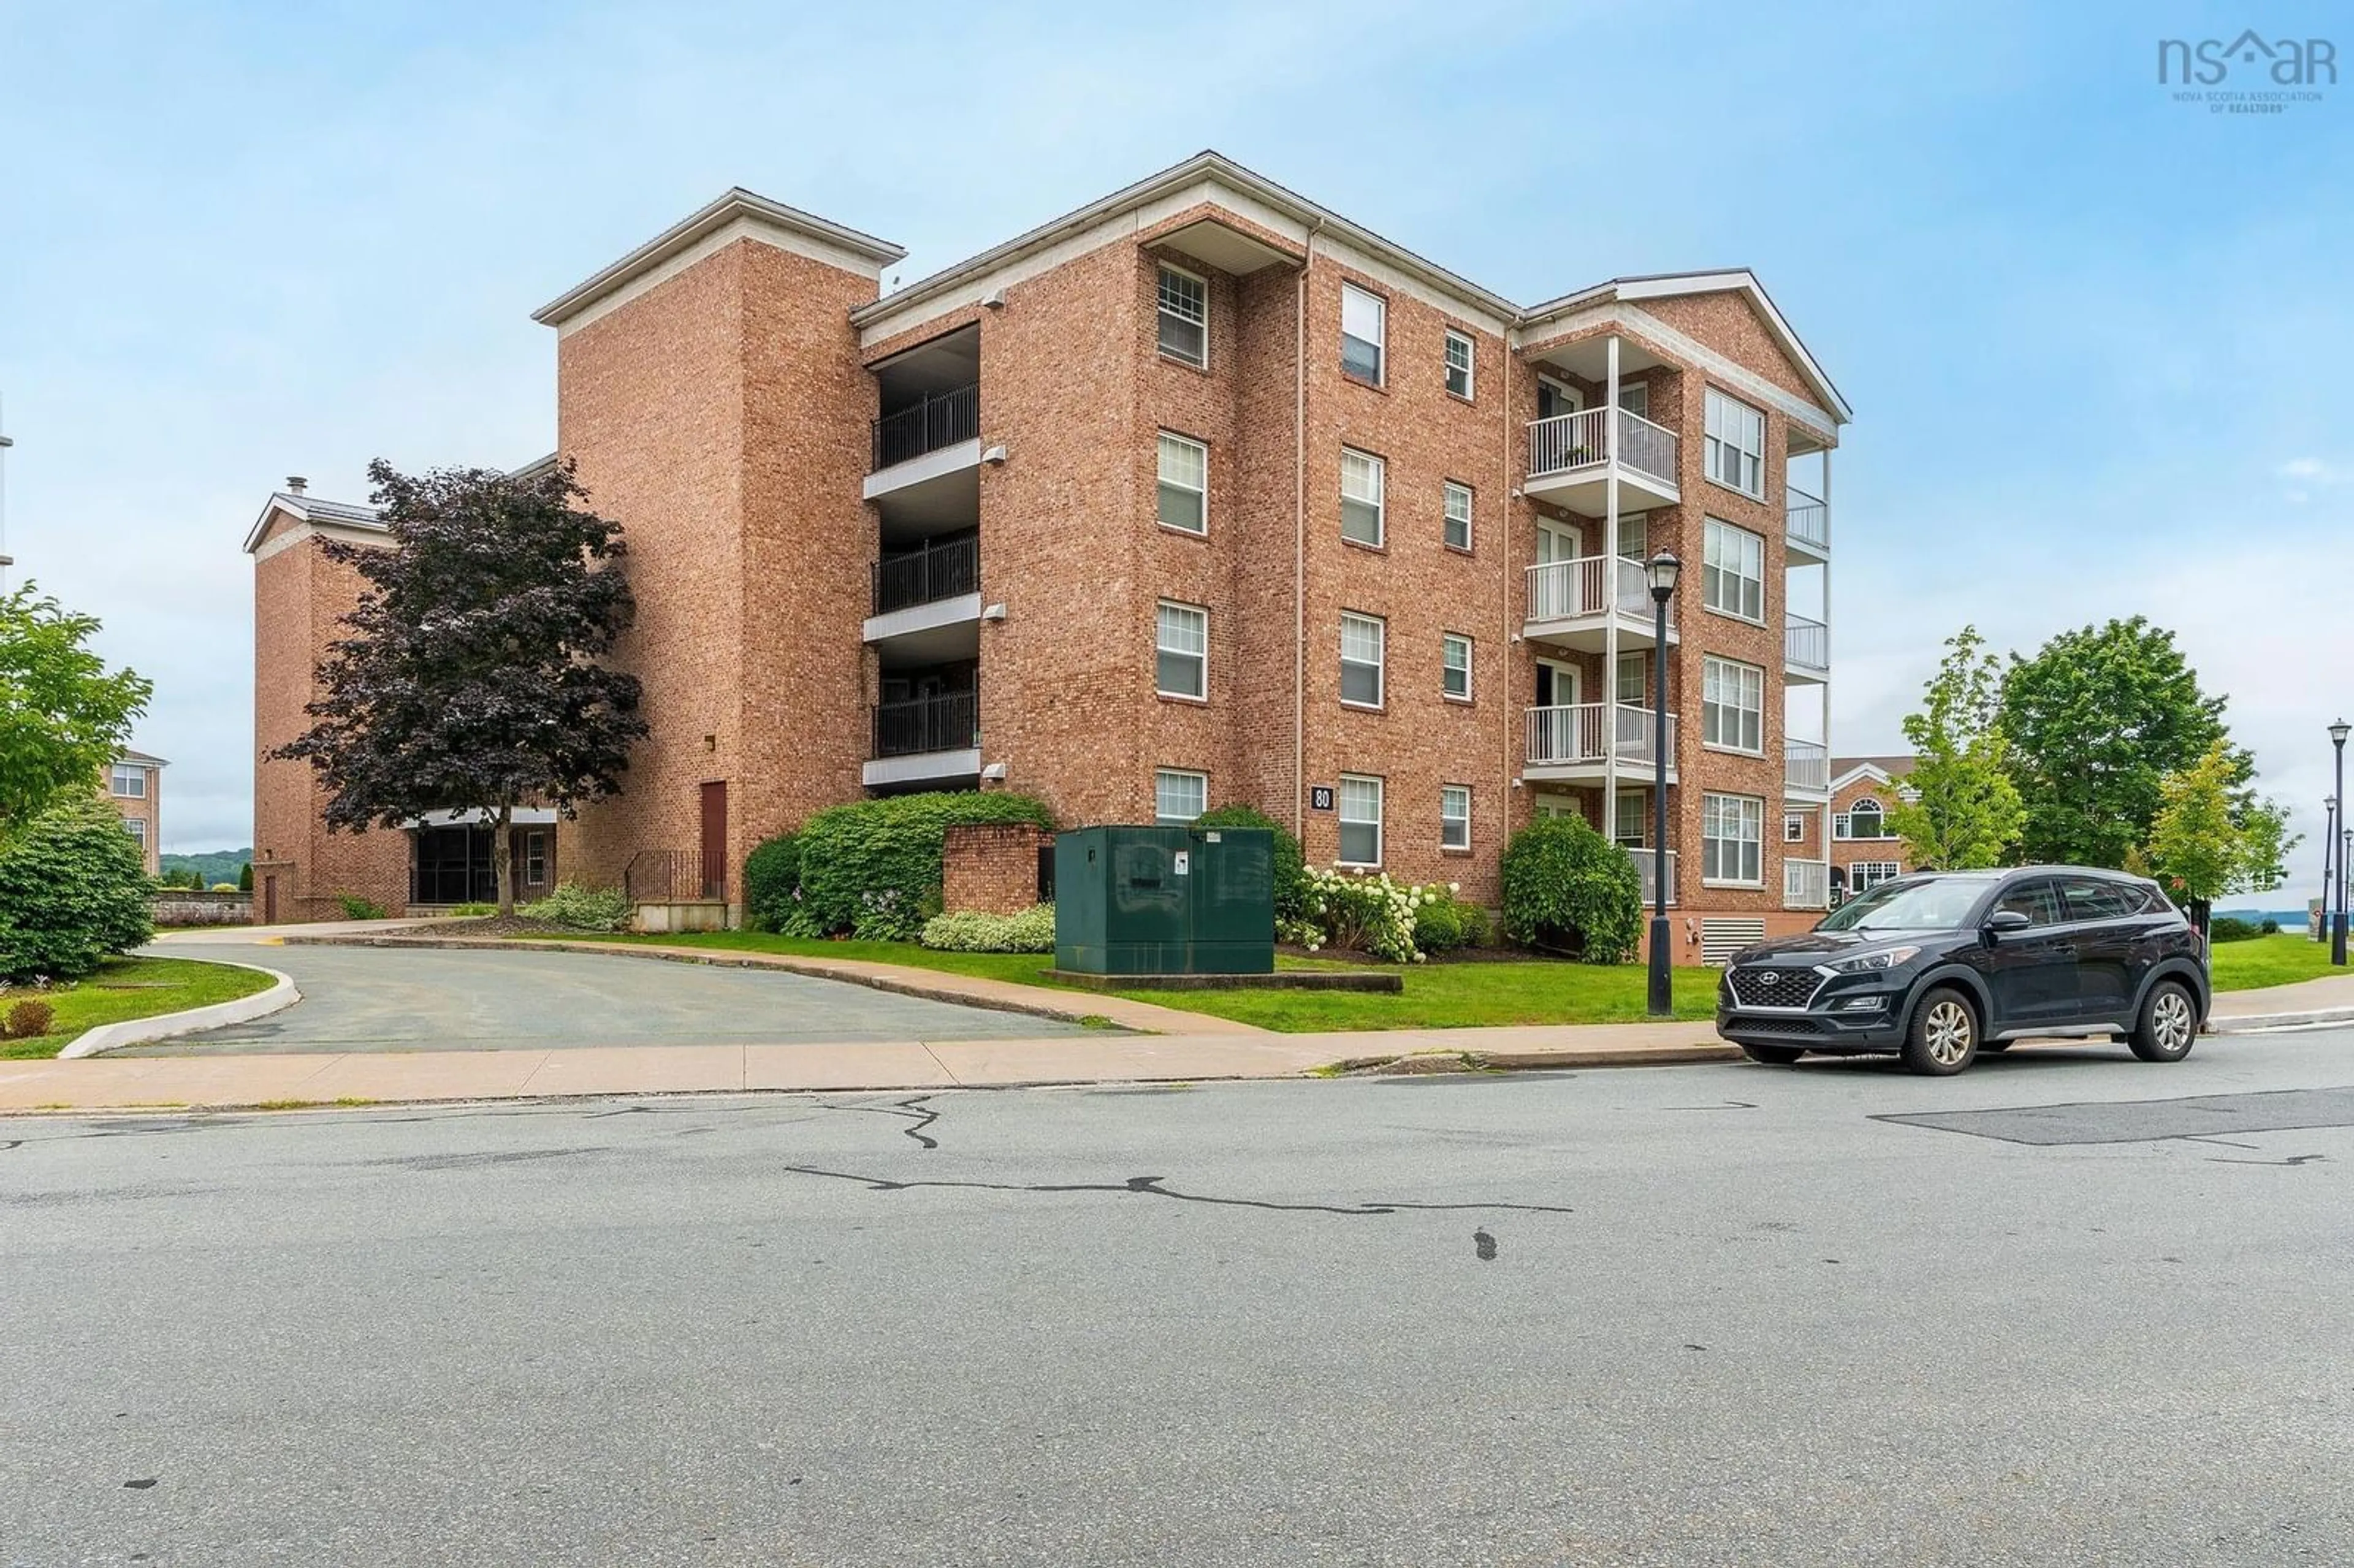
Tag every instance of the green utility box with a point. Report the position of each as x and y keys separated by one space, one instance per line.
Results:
x=1165 y=901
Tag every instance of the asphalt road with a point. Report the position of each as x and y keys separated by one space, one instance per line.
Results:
x=1678 y=1316
x=454 y=999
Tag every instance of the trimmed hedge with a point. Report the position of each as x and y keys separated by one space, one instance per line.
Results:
x=974 y=931
x=772 y=877
x=1446 y=922
x=579 y=908
x=873 y=868
x=2231 y=928
x=1289 y=864
x=1567 y=886
x=73 y=890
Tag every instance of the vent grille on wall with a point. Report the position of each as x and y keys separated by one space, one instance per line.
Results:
x=1720 y=938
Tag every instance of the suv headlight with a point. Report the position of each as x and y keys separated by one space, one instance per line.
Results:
x=1872 y=962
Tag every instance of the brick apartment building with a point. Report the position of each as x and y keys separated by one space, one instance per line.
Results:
x=1864 y=849
x=135 y=788
x=1199 y=494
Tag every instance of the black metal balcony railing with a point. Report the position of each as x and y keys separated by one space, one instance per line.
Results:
x=942 y=570
x=665 y=876
x=938 y=419
x=948 y=722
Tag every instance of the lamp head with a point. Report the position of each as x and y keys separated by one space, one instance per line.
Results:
x=1663 y=569
x=2337 y=732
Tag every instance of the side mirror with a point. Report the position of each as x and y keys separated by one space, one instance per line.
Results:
x=2003 y=921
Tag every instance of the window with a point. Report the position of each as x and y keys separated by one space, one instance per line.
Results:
x=1732 y=839
x=1794 y=826
x=1732 y=579
x=1633 y=828
x=1361 y=820
x=1179 y=797
x=137 y=828
x=1866 y=873
x=1362 y=480
x=1635 y=536
x=1184 y=484
x=1182 y=669
x=1635 y=680
x=2092 y=898
x=1635 y=397
x=1732 y=706
x=1459 y=515
x=1364 y=334
x=534 y=857
x=129 y=781
x=1735 y=449
x=1361 y=659
x=1184 y=317
x=2037 y=900
x=1459 y=363
x=1455 y=816
x=1864 y=820
x=1456 y=654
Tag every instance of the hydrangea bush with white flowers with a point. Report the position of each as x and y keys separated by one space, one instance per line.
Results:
x=1373 y=914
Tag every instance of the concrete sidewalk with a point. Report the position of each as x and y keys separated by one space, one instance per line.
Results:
x=2330 y=1000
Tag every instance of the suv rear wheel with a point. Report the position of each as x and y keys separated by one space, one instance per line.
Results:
x=2169 y=1022
x=1943 y=1037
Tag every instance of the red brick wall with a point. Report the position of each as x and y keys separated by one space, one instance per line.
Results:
x=992 y=867
x=147 y=808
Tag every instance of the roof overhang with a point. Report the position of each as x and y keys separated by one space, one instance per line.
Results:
x=333 y=519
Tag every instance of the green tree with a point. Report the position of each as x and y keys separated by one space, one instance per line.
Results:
x=64 y=716
x=73 y=890
x=1961 y=809
x=2094 y=722
x=2207 y=839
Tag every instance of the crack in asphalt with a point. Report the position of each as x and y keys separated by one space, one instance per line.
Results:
x=915 y=1110
x=1151 y=1187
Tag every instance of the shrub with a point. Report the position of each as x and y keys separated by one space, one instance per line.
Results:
x=225 y=887
x=1372 y=915
x=474 y=909
x=973 y=931
x=73 y=889
x=29 y=1020
x=1444 y=922
x=1290 y=866
x=772 y=879
x=1566 y=886
x=873 y=868
x=579 y=908
x=358 y=908
x=2271 y=926
x=245 y=877
x=2231 y=928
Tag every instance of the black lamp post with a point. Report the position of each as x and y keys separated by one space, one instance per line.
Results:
x=2329 y=865
x=2337 y=931
x=1663 y=569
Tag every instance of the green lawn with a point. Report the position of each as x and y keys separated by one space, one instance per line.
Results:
x=125 y=989
x=2270 y=960
x=1436 y=996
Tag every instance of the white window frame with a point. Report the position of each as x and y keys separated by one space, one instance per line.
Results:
x=1161 y=778
x=1633 y=524
x=535 y=853
x=1794 y=826
x=1739 y=811
x=1633 y=829
x=1161 y=646
x=1719 y=537
x=1358 y=782
x=137 y=828
x=1380 y=341
x=1722 y=676
x=1863 y=873
x=1178 y=313
x=1635 y=397
x=1456 y=500
x=1447 y=643
x=1469 y=367
x=1366 y=464
x=1447 y=795
x=1200 y=451
x=1728 y=459
x=1379 y=664
x=1843 y=822
x=130 y=772
x=1640 y=662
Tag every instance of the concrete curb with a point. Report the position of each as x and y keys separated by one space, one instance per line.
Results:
x=2258 y=1022
x=165 y=1026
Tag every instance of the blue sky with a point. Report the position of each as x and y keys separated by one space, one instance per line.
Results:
x=2094 y=337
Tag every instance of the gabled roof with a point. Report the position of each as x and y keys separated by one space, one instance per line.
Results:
x=1887 y=769
x=140 y=759
x=309 y=509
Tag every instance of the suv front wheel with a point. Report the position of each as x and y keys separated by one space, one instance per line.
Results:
x=2169 y=1022
x=1943 y=1037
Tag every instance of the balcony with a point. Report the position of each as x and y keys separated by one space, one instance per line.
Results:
x=1806 y=884
x=1647 y=868
x=928 y=603
x=1806 y=651
x=1573 y=603
x=1809 y=524
x=1805 y=770
x=928 y=445
x=1578 y=742
x=1574 y=456
x=926 y=740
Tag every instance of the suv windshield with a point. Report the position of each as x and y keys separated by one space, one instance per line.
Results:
x=1936 y=903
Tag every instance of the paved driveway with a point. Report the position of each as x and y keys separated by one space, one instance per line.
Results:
x=438 y=999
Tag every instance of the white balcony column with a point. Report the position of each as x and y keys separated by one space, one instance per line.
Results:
x=1611 y=588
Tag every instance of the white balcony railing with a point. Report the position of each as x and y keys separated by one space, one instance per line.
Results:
x=1806 y=884
x=1807 y=765
x=1807 y=643
x=1593 y=732
x=1810 y=519
x=1567 y=442
x=1574 y=589
x=1647 y=868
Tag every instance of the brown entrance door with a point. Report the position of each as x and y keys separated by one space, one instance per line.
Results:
x=269 y=901
x=715 y=840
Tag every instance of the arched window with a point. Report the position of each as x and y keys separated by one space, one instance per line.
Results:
x=1864 y=820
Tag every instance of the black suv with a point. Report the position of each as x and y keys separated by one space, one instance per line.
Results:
x=1940 y=966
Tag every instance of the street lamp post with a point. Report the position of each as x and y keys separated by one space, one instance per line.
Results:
x=1663 y=569
x=2337 y=733
x=2328 y=866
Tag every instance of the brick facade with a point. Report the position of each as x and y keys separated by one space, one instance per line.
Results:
x=1861 y=781
x=133 y=786
x=992 y=867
